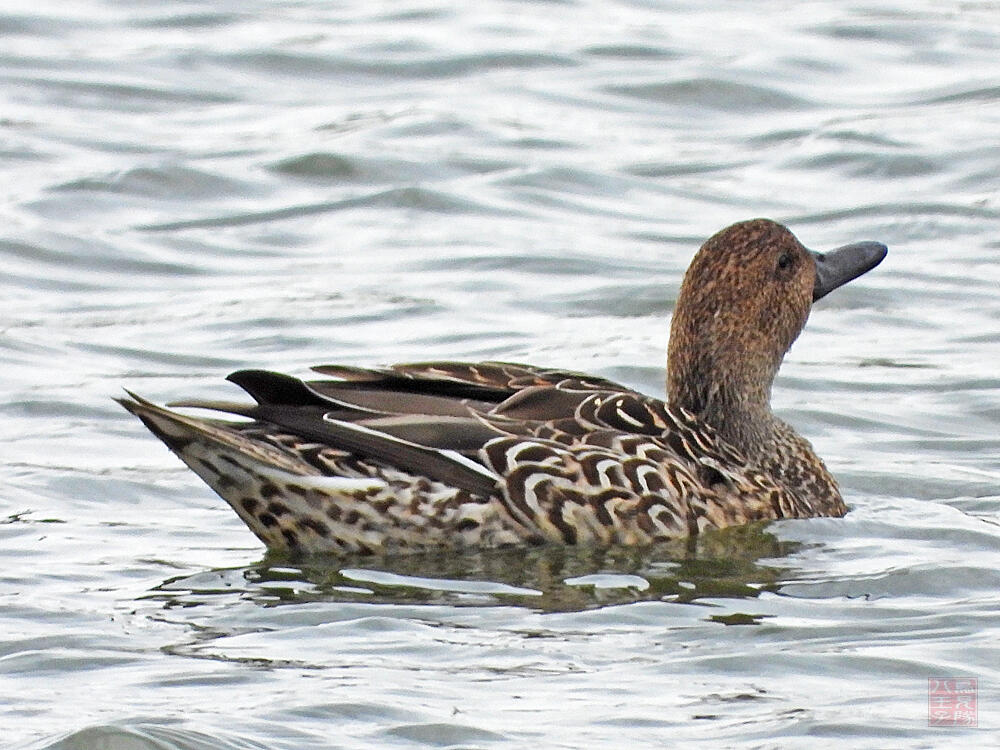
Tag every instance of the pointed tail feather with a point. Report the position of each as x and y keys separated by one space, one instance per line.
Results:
x=179 y=432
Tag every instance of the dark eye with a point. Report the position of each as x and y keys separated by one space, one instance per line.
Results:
x=784 y=261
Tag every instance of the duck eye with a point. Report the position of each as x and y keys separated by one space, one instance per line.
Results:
x=784 y=261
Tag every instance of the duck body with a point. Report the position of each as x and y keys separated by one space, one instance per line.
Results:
x=448 y=454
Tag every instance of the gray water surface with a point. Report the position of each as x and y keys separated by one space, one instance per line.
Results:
x=192 y=188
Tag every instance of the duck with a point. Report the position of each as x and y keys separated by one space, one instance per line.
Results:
x=445 y=455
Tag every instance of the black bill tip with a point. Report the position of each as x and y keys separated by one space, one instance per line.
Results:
x=844 y=264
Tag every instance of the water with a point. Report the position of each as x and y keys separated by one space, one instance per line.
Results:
x=194 y=188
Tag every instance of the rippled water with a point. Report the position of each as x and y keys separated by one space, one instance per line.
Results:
x=192 y=188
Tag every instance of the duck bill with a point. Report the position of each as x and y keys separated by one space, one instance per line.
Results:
x=844 y=264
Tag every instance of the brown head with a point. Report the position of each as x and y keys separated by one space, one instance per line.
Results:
x=744 y=300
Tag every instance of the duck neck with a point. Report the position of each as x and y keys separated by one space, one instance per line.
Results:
x=736 y=405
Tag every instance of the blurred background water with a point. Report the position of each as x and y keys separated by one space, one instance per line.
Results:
x=191 y=188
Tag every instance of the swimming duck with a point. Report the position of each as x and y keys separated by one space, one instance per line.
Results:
x=450 y=454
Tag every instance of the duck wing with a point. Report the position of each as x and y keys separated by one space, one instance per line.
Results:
x=499 y=378
x=436 y=404
x=495 y=392
x=424 y=417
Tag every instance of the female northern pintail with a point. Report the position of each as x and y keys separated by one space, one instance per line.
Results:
x=451 y=454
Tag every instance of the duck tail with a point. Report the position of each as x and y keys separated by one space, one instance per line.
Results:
x=285 y=501
x=193 y=440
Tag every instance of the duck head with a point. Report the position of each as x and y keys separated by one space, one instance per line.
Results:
x=743 y=301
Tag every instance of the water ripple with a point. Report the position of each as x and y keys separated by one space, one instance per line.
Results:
x=713 y=94
x=194 y=189
x=412 y=197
